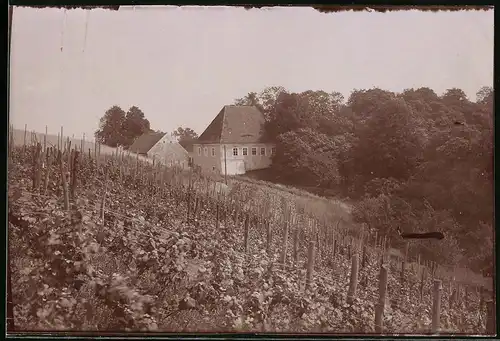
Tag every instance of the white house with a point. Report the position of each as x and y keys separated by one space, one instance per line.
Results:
x=162 y=147
x=234 y=143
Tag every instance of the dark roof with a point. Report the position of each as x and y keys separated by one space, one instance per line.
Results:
x=145 y=142
x=187 y=144
x=235 y=124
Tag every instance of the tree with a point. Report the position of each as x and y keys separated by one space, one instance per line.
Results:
x=387 y=143
x=306 y=157
x=412 y=159
x=110 y=131
x=250 y=99
x=134 y=125
x=485 y=95
x=185 y=134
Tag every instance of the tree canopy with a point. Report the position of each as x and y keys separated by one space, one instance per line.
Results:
x=118 y=128
x=185 y=135
x=412 y=159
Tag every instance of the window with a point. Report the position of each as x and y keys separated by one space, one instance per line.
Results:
x=254 y=150
x=262 y=151
x=273 y=150
x=213 y=151
x=235 y=151
x=205 y=151
x=199 y=150
x=245 y=151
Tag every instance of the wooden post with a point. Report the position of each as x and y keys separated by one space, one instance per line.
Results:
x=50 y=161
x=422 y=281
x=354 y=279
x=246 y=232
x=103 y=203
x=217 y=214
x=62 y=139
x=403 y=263
x=310 y=264
x=296 y=244
x=418 y=264
x=453 y=298
x=269 y=237
x=364 y=259
x=45 y=139
x=25 y=132
x=74 y=170
x=63 y=180
x=285 y=244
x=382 y=291
x=37 y=167
x=70 y=160
x=490 y=317
x=436 y=306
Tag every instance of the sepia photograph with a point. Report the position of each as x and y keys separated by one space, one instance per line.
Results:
x=272 y=170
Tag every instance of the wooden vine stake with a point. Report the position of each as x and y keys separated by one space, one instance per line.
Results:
x=63 y=180
x=310 y=264
x=24 y=141
x=45 y=139
x=103 y=203
x=490 y=317
x=403 y=263
x=50 y=160
x=382 y=291
x=37 y=169
x=354 y=279
x=436 y=306
x=422 y=281
x=246 y=233
x=269 y=237
x=74 y=171
x=296 y=243
x=284 y=243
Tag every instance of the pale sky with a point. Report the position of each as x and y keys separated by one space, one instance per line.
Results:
x=182 y=65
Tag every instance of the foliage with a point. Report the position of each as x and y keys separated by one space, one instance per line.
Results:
x=134 y=125
x=117 y=128
x=185 y=135
x=110 y=127
x=414 y=158
x=149 y=266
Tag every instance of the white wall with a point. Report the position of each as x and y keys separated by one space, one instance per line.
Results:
x=169 y=152
x=216 y=162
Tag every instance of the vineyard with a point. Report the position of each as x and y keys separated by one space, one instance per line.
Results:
x=114 y=243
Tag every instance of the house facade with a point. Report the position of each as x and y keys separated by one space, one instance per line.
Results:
x=233 y=143
x=162 y=148
x=188 y=146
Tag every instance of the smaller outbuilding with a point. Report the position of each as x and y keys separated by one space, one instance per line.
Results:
x=161 y=147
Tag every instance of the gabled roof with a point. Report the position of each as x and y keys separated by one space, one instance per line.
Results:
x=145 y=142
x=188 y=144
x=235 y=124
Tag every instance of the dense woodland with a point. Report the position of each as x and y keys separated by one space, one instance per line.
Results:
x=413 y=159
